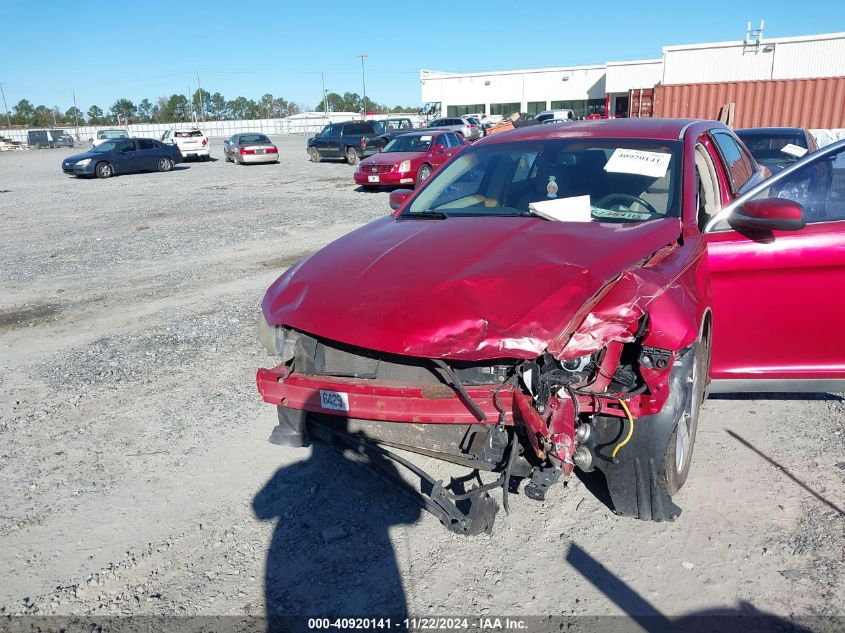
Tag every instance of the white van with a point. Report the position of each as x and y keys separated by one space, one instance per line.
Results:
x=547 y=116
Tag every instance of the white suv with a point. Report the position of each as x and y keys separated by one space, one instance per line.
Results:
x=107 y=135
x=192 y=143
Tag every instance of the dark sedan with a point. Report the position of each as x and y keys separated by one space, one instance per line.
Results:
x=123 y=156
x=778 y=147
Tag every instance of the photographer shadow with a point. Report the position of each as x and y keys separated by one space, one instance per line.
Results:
x=331 y=553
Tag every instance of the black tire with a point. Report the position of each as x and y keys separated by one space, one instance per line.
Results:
x=314 y=155
x=655 y=464
x=165 y=164
x=679 y=450
x=104 y=170
x=228 y=158
x=351 y=156
x=423 y=174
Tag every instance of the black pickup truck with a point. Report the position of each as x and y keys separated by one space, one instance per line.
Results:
x=343 y=140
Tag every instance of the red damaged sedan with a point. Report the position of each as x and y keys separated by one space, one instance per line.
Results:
x=409 y=159
x=559 y=297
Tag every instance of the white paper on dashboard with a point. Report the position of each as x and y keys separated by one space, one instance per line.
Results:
x=639 y=162
x=794 y=150
x=574 y=209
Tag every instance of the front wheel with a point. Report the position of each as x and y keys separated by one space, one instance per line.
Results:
x=654 y=465
x=104 y=170
x=313 y=155
x=423 y=174
x=165 y=164
x=678 y=458
x=351 y=156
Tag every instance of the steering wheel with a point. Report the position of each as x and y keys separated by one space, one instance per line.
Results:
x=627 y=196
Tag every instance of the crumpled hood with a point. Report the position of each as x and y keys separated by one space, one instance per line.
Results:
x=462 y=288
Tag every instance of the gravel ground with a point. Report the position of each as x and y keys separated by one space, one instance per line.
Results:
x=136 y=477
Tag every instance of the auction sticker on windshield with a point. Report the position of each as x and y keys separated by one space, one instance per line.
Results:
x=793 y=150
x=639 y=162
x=334 y=400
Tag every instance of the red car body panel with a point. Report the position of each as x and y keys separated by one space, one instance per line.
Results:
x=769 y=299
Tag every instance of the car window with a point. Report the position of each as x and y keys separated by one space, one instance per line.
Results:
x=543 y=117
x=436 y=123
x=616 y=180
x=189 y=134
x=818 y=186
x=774 y=148
x=126 y=146
x=409 y=143
x=146 y=143
x=358 y=128
x=254 y=138
x=738 y=165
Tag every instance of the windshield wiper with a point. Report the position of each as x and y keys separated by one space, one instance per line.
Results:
x=425 y=215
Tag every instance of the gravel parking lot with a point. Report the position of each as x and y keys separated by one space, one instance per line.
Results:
x=137 y=478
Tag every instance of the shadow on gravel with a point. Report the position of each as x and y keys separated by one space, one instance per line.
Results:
x=331 y=552
x=644 y=616
x=786 y=472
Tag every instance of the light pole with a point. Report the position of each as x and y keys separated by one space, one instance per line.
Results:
x=364 y=82
x=6 y=108
x=325 y=96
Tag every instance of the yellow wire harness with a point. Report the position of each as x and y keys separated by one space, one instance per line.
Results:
x=630 y=429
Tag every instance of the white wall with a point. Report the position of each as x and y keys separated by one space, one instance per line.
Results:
x=624 y=76
x=776 y=58
x=519 y=86
x=302 y=123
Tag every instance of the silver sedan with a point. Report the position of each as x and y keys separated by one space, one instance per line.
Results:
x=250 y=147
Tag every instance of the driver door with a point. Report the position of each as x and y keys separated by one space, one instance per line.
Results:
x=126 y=157
x=777 y=294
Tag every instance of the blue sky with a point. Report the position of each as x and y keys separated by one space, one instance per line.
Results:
x=136 y=50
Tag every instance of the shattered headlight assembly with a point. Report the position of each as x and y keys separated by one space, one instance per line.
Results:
x=83 y=163
x=576 y=365
x=404 y=166
x=277 y=340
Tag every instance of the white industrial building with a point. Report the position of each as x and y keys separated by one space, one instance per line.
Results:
x=617 y=88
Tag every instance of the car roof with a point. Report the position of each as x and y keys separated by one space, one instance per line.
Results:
x=657 y=129
x=762 y=131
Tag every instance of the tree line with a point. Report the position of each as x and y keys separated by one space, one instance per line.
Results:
x=178 y=108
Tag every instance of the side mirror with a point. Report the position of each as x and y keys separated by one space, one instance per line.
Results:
x=398 y=197
x=381 y=149
x=769 y=214
x=439 y=148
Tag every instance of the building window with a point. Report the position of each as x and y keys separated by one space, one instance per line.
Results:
x=536 y=107
x=463 y=110
x=582 y=107
x=504 y=109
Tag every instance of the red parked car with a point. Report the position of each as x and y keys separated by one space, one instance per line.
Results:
x=559 y=297
x=409 y=159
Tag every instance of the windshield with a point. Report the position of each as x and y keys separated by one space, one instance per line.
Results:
x=190 y=134
x=254 y=138
x=108 y=146
x=578 y=180
x=112 y=134
x=783 y=147
x=411 y=143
